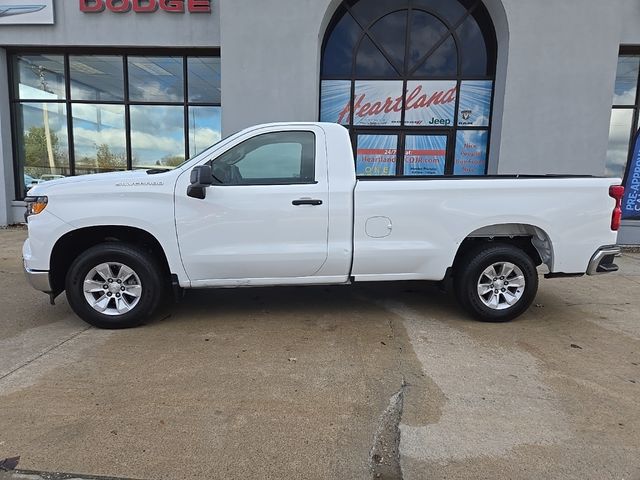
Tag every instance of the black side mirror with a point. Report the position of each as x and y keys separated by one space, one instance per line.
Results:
x=201 y=178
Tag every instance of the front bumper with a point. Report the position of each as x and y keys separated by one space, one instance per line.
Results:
x=38 y=280
x=602 y=261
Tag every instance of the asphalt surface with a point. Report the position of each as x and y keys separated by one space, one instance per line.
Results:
x=372 y=381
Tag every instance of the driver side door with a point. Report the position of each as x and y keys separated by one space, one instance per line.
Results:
x=266 y=217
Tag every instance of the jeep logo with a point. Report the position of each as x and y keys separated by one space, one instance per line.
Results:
x=145 y=6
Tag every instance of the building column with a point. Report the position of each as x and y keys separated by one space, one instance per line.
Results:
x=7 y=190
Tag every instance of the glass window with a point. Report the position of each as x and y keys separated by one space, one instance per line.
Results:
x=426 y=32
x=153 y=123
x=393 y=73
x=376 y=155
x=378 y=102
x=371 y=61
x=157 y=136
x=626 y=81
x=431 y=103
x=471 y=152
x=39 y=77
x=99 y=138
x=204 y=79
x=474 y=50
x=443 y=62
x=43 y=140
x=475 y=103
x=96 y=78
x=390 y=32
x=282 y=157
x=339 y=48
x=619 y=140
x=156 y=79
x=425 y=155
x=204 y=128
x=336 y=101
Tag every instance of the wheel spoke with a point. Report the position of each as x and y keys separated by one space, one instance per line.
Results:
x=133 y=290
x=494 y=300
x=483 y=289
x=518 y=281
x=104 y=271
x=507 y=269
x=125 y=273
x=93 y=286
x=102 y=303
x=122 y=305
x=491 y=272
x=510 y=298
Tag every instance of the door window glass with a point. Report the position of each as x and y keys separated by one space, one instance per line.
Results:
x=272 y=158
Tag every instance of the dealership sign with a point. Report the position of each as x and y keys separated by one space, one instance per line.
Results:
x=146 y=6
x=631 y=201
x=26 y=12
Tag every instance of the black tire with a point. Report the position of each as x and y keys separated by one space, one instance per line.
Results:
x=468 y=275
x=145 y=268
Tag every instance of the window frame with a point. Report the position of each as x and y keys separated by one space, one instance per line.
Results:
x=273 y=181
x=631 y=51
x=475 y=8
x=123 y=54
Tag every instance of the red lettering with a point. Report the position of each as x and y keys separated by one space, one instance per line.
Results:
x=119 y=6
x=412 y=96
x=91 y=6
x=200 y=6
x=176 y=6
x=364 y=110
x=145 y=6
x=388 y=106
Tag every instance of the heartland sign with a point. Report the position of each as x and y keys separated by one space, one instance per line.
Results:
x=146 y=6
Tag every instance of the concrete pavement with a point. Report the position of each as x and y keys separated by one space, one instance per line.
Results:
x=324 y=382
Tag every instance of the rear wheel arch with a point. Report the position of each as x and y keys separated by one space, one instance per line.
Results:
x=71 y=245
x=533 y=240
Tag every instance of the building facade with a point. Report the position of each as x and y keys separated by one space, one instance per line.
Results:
x=426 y=87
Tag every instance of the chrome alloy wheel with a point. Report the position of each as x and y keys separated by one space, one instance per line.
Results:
x=112 y=288
x=501 y=285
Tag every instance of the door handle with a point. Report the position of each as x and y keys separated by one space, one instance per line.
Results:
x=307 y=201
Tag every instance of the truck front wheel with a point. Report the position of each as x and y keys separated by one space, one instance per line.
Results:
x=114 y=285
x=496 y=282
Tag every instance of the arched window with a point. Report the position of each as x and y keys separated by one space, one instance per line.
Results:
x=413 y=81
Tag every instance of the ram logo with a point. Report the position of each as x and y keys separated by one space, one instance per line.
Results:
x=12 y=10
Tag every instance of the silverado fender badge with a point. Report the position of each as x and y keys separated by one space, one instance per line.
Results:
x=139 y=184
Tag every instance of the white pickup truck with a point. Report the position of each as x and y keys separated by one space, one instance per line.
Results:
x=280 y=204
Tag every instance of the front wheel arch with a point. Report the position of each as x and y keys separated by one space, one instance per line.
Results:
x=71 y=245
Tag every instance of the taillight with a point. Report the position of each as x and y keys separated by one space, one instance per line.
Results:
x=616 y=192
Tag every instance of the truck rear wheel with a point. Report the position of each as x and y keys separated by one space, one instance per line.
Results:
x=496 y=282
x=114 y=285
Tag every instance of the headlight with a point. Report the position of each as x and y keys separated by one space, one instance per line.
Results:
x=35 y=205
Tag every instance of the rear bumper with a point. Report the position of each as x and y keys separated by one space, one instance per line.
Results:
x=603 y=261
x=38 y=280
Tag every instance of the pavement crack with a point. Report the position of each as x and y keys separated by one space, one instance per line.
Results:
x=384 y=458
x=42 y=354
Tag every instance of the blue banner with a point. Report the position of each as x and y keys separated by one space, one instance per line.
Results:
x=631 y=201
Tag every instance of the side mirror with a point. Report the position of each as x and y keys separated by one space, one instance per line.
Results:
x=201 y=178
